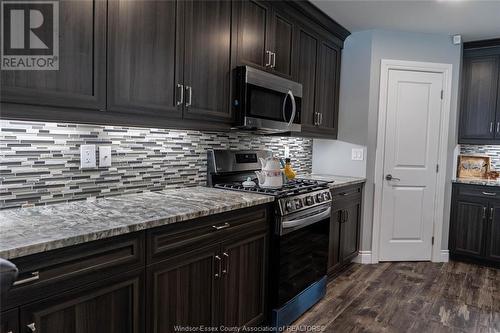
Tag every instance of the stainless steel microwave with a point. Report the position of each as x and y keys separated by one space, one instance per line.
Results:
x=266 y=103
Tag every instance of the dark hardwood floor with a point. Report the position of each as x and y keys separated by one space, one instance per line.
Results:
x=410 y=297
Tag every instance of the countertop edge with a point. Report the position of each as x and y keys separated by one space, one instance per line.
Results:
x=49 y=245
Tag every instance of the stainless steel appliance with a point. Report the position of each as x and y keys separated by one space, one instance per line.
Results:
x=300 y=232
x=265 y=102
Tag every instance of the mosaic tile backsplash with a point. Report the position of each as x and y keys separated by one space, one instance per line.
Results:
x=40 y=162
x=489 y=150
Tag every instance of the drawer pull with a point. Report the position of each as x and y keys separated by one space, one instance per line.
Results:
x=34 y=276
x=32 y=327
x=489 y=193
x=220 y=227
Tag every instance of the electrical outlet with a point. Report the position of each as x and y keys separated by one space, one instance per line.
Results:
x=357 y=154
x=87 y=156
x=104 y=156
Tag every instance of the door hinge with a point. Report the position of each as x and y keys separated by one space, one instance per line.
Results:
x=442 y=94
x=432 y=240
x=437 y=168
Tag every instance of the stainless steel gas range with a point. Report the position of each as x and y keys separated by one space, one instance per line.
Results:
x=300 y=232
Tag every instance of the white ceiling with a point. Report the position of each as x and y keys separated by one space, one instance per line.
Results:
x=473 y=19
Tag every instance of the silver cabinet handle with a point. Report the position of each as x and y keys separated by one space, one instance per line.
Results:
x=219 y=267
x=492 y=212
x=34 y=276
x=190 y=96
x=273 y=56
x=294 y=108
x=320 y=118
x=220 y=227
x=390 y=177
x=491 y=127
x=498 y=126
x=315 y=118
x=31 y=327
x=484 y=213
x=491 y=194
x=269 y=56
x=181 y=88
x=226 y=263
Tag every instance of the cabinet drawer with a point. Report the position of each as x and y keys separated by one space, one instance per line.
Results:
x=168 y=241
x=492 y=192
x=346 y=192
x=41 y=275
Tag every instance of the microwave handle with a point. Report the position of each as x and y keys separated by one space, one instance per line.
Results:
x=294 y=107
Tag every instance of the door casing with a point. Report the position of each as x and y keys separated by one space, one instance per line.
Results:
x=446 y=70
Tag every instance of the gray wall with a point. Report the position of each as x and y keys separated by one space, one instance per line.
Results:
x=359 y=95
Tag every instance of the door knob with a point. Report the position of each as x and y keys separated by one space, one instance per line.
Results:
x=390 y=177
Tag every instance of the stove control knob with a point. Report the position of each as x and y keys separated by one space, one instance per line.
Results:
x=326 y=195
x=309 y=200
x=319 y=197
x=298 y=203
x=289 y=205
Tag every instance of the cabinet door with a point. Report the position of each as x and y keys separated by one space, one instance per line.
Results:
x=493 y=233
x=182 y=291
x=112 y=306
x=80 y=80
x=477 y=117
x=466 y=227
x=349 y=231
x=207 y=69
x=327 y=88
x=306 y=59
x=252 y=22
x=282 y=38
x=244 y=278
x=334 y=241
x=145 y=57
x=9 y=321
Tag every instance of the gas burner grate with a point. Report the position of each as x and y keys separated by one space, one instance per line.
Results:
x=293 y=187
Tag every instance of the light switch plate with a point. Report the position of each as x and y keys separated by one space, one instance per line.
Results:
x=87 y=156
x=357 y=154
x=104 y=156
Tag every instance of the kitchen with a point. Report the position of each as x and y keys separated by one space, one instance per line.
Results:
x=208 y=165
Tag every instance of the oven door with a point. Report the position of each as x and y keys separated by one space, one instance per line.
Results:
x=271 y=103
x=303 y=251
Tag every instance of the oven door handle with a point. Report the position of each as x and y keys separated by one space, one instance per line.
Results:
x=294 y=108
x=307 y=220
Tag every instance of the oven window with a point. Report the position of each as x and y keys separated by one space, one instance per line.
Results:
x=303 y=259
x=268 y=104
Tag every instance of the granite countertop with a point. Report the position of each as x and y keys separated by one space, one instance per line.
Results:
x=25 y=231
x=485 y=182
x=334 y=181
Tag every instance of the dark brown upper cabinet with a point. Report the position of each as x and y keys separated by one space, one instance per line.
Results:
x=317 y=68
x=80 y=81
x=145 y=57
x=170 y=58
x=480 y=107
x=264 y=36
x=207 y=70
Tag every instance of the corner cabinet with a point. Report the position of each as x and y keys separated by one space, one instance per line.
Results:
x=480 y=105
x=344 y=227
x=475 y=224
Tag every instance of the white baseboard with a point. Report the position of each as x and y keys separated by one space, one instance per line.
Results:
x=445 y=255
x=364 y=257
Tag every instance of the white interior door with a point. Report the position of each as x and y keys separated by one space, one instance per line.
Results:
x=414 y=102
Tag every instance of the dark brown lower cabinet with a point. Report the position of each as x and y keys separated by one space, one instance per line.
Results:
x=186 y=274
x=475 y=224
x=344 y=227
x=110 y=306
x=244 y=280
x=9 y=321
